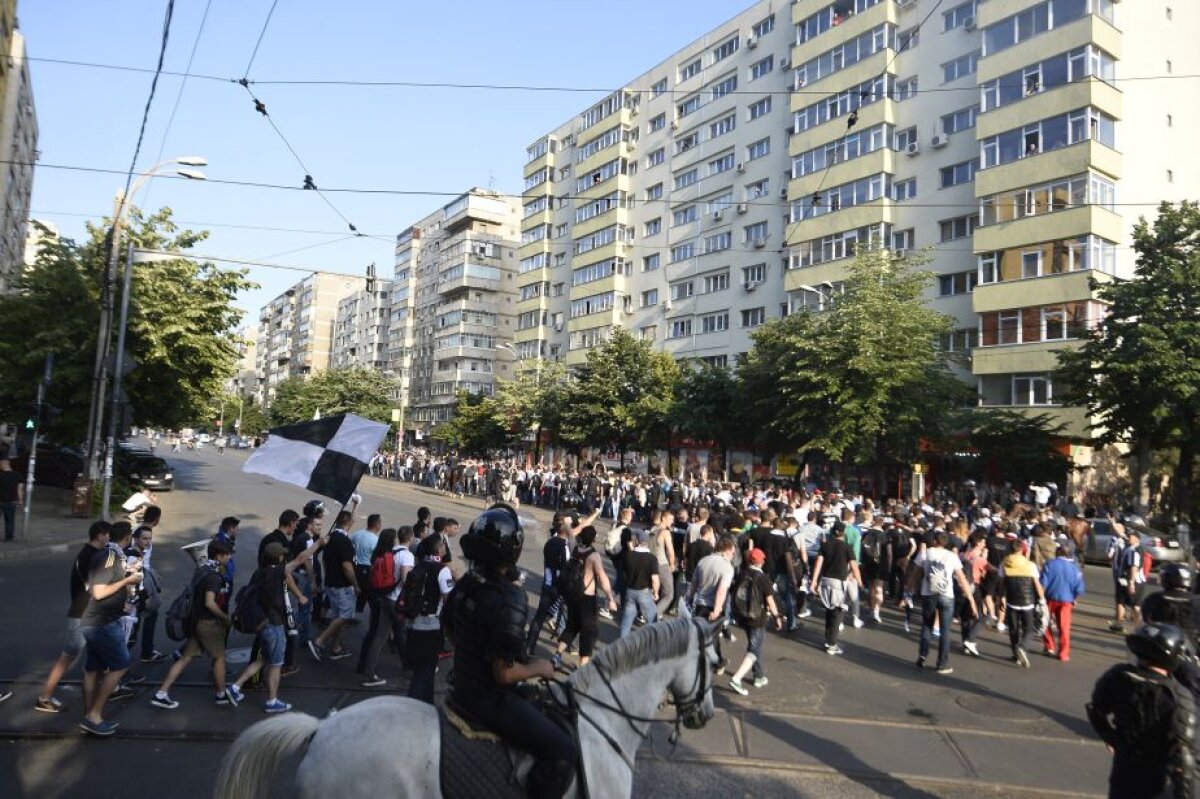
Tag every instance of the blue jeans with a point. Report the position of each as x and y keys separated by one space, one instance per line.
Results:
x=273 y=638
x=786 y=593
x=636 y=600
x=942 y=606
x=754 y=645
x=304 y=612
x=9 y=509
x=106 y=649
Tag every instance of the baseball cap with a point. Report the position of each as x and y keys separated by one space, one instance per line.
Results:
x=274 y=550
x=757 y=557
x=641 y=536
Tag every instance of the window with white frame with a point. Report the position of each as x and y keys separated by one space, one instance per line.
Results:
x=726 y=49
x=658 y=87
x=687 y=141
x=960 y=227
x=957 y=283
x=656 y=157
x=721 y=202
x=718 y=242
x=717 y=281
x=682 y=290
x=1075 y=65
x=725 y=86
x=648 y=332
x=904 y=189
x=757 y=273
x=759 y=188
x=1008 y=328
x=1032 y=390
x=908 y=39
x=960 y=67
x=958 y=16
x=688 y=178
x=758 y=149
x=904 y=239
x=1054 y=323
x=762 y=67
x=714 y=322
x=655 y=192
x=753 y=317
x=682 y=252
x=688 y=106
x=653 y=226
x=651 y=262
x=756 y=232
x=906 y=89
x=649 y=298
x=690 y=69
x=963 y=119
x=679 y=328
x=722 y=164
x=658 y=122
x=683 y=216
x=759 y=108
x=905 y=137
x=722 y=126
x=761 y=29
x=957 y=174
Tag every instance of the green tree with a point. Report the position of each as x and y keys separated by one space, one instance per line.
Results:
x=229 y=406
x=181 y=318
x=362 y=392
x=476 y=427
x=533 y=401
x=1016 y=448
x=1138 y=371
x=710 y=405
x=621 y=396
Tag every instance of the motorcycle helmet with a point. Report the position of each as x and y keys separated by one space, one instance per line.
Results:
x=314 y=507
x=1161 y=645
x=495 y=538
x=1175 y=576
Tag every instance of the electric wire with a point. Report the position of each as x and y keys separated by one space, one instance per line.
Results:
x=162 y=53
x=261 y=34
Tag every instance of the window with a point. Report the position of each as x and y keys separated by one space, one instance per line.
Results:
x=754 y=274
x=1054 y=323
x=649 y=298
x=1058 y=70
x=682 y=290
x=1038 y=19
x=828 y=201
x=909 y=39
x=654 y=226
x=690 y=69
x=1049 y=258
x=659 y=87
x=904 y=239
x=763 y=67
x=718 y=242
x=726 y=49
x=718 y=281
x=959 y=173
x=683 y=216
x=650 y=262
x=679 y=328
x=714 y=323
x=760 y=188
x=843 y=149
x=960 y=67
x=659 y=122
x=1048 y=134
x=1032 y=390
x=905 y=137
x=755 y=233
x=648 y=332
x=761 y=29
x=685 y=179
x=688 y=106
x=655 y=192
x=958 y=16
x=906 y=89
x=722 y=126
x=1008 y=327
x=829 y=17
x=682 y=252
x=958 y=228
x=962 y=340
x=760 y=108
x=960 y=120
x=758 y=149
x=753 y=317
x=597 y=303
x=724 y=87
x=957 y=283
x=904 y=189
x=837 y=245
x=558 y=289
x=722 y=164
x=844 y=55
x=842 y=103
x=720 y=203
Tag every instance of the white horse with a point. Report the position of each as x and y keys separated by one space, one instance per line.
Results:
x=617 y=695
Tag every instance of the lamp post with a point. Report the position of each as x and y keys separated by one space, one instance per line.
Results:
x=118 y=392
x=121 y=208
x=398 y=413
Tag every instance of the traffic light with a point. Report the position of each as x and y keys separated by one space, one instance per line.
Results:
x=33 y=411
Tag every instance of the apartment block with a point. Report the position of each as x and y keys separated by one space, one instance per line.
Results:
x=453 y=306
x=18 y=146
x=1001 y=135
x=295 y=330
x=662 y=208
x=360 y=329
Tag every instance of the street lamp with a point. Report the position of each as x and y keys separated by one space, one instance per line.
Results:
x=119 y=357
x=121 y=206
x=398 y=414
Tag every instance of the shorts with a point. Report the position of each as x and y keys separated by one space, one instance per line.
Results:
x=1123 y=595
x=73 y=642
x=106 y=649
x=274 y=642
x=870 y=571
x=209 y=639
x=341 y=602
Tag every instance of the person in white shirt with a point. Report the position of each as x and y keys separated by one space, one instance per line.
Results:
x=425 y=636
x=938 y=569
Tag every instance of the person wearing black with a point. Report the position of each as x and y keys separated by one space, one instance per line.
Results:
x=485 y=618
x=834 y=565
x=1175 y=604
x=1145 y=720
x=286 y=536
x=697 y=551
x=341 y=588
x=12 y=493
x=758 y=590
x=310 y=525
x=583 y=612
x=554 y=557
x=781 y=554
x=641 y=584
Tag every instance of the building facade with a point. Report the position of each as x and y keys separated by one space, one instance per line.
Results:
x=295 y=330
x=360 y=329
x=18 y=146
x=453 y=300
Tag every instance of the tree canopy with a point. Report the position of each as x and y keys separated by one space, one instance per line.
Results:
x=356 y=390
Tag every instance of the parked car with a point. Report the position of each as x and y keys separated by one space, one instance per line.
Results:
x=56 y=466
x=203 y=438
x=1161 y=547
x=151 y=472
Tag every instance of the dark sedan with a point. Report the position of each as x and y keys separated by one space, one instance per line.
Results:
x=153 y=473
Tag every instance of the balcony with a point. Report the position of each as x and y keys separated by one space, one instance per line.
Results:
x=1007 y=359
x=1027 y=292
x=1068 y=223
x=1049 y=103
x=1074 y=159
x=475 y=208
x=1089 y=29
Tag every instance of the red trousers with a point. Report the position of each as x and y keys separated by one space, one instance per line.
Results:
x=1060 y=614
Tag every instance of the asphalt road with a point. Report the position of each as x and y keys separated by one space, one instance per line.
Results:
x=865 y=724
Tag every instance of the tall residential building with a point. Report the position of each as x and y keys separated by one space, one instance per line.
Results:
x=360 y=329
x=1002 y=135
x=452 y=305
x=295 y=330
x=244 y=381
x=18 y=145
x=659 y=208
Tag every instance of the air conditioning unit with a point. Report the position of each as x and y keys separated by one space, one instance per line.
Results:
x=558 y=326
x=717 y=216
x=759 y=243
x=905 y=3
x=750 y=285
x=784 y=62
x=631 y=145
x=969 y=24
x=675 y=125
x=783 y=194
x=751 y=42
x=939 y=141
x=742 y=208
x=900 y=253
x=666 y=305
x=741 y=168
x=913 y=148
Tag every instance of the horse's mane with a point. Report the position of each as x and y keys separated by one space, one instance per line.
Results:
x=659 y=641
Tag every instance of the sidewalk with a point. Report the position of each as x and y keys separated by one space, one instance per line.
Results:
x=51 y=529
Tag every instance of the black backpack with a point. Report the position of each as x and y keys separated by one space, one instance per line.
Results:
x=571 y=585
x=749 y=605
x=421 y=593
x=181 y=615
x=872 y=545
x=248 y=611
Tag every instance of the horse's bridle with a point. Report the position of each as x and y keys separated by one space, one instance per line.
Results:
x=701 y=686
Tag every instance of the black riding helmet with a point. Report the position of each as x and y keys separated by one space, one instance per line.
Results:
x=1161 y=645
x=495 y=537
x=313 y=507
x=1173 y=575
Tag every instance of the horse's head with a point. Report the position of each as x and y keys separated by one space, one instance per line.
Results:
x=692 y=686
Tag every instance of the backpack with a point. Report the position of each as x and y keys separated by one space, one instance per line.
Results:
x=421 y=594
x=248 y=611
x=383 y=570
x=872 y=545
x=571 y=585
x=181 y=615
x=749 y=606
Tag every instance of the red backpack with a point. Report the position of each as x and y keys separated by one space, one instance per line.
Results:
x=383 y=570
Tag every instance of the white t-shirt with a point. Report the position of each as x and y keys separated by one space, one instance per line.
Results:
x=938 y=566
x=403 y=558
x=136 y=501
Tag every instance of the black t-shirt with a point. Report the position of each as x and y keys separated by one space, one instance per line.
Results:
x=639 y=566
x=214 y=581
x=107 y=567
x=779 y=544
x=277 y=537
x=766 y=589
x=79 y=576
x=338 y=550
x=697 y=551
x=423 y=547
x=554 y=557
x=302 y=540
x=9 y=481
x=836 y=557
x=270 y=594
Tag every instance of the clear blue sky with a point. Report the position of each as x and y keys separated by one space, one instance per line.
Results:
x=395 y=138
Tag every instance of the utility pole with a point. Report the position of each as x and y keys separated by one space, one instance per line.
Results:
x=37 y=429
x=103 y=338
x=118 y=387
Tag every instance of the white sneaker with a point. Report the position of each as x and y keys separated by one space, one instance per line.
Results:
x=875 y=618
x=804 y=614
x=971 y=649
x=841 y=627
x=1000 y=627
x=858 y=623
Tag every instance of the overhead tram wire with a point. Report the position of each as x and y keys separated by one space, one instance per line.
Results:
x=261 y=34
x=162 y=53
x=231 y=225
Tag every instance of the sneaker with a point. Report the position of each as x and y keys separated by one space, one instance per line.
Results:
x=606 y=613
x=275 y=706
x=165 y=702
x=804 y=614
x=834 y=650
x=937 y=632
x=875 y=617
x=1001 y=627
x=858 y=623
x=341 y=654
x=759 y=682
x=374 y=681
x=921 y=662
x=133 y=679
x=945 y=670
x=907 y=626
x=737 y=686
x=970 y=648
x=315 y=648
x=1050 y=653
x=288 y=671
x=721 y=665
x=154 y=657
x=1022 y=658
x=5 y=694
x=177 y=655
x=1117 y=627
x=103 y=728
x=232 y=695
x=121 y=692
x=221 y=699
x=841 y=627
x=49 y=705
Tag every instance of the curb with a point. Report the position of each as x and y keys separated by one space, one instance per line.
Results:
x=33 y=552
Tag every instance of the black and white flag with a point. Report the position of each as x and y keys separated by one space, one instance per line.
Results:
x=327 y=456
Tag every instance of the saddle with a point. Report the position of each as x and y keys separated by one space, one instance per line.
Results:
x=476 y=763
